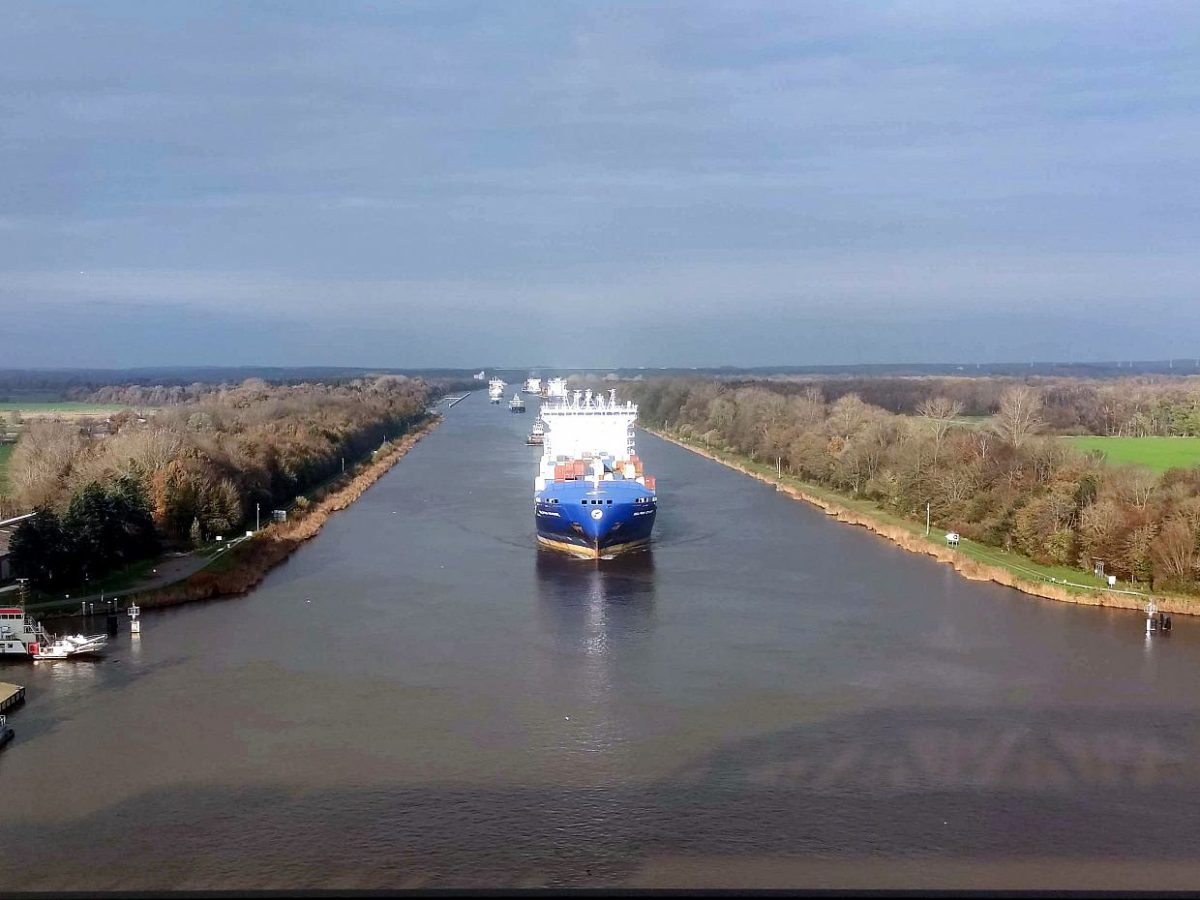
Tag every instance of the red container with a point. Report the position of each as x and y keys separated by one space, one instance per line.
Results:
x=650 y=482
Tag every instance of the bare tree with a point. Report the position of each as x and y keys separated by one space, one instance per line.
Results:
x=1135 y=485
x=1019 y=416
x=1175 y=550
x=941 y=413
x=40 y=462
x=847 y=415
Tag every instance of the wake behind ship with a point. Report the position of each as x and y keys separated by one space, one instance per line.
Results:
x=591 y=496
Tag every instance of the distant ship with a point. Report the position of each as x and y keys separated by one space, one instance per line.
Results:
x=533 y=386
x=537 y=435
x=555 y=389
x=591 y=496
x=516 y=404
x=496 y=390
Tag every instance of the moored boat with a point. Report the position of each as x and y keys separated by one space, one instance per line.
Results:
x=22 y=637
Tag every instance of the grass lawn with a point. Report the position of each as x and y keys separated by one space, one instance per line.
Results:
x=1159 y=453
x=60 y=407
x=6 y=451
x=973 y=421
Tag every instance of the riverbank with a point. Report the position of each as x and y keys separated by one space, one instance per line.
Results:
x=974 y=561
x=242 y=568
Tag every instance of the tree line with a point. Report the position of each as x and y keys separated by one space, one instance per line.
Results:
x=192 y=470
x=1005 y=482
x=1131 y=407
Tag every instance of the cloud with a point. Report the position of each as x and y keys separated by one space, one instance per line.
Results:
x=714 y=169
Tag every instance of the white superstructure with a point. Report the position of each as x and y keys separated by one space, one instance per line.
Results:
x=533 y=385
x=21 y=636
x=586 y=426
x=556 y=389
x=496 y=389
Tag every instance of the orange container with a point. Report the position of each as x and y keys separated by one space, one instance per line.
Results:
x=650 y=482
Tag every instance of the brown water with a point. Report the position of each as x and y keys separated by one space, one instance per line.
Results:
x=420 y=697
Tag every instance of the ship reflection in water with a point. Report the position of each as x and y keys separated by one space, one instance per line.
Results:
x=600 y=618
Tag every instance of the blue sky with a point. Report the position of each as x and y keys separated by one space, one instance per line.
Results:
x=595 y=184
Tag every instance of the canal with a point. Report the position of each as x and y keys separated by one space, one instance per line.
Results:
x=420 y=697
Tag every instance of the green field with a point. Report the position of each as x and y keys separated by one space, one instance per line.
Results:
x=5 y=452
x=63 y=406
x=1158 y=453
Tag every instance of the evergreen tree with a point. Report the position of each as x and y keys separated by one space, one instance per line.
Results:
x=41 y=550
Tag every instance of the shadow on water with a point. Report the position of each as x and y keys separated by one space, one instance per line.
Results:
x=1066 y=784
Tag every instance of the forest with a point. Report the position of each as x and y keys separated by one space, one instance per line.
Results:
x=1010 y=481
x=1124 y=407
x=196 y=468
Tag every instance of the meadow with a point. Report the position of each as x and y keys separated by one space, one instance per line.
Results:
x=5 y=453
x=58 y=407
x=1158 y=453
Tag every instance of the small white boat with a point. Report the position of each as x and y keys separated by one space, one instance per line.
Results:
x=516 y=404
x=72 y=646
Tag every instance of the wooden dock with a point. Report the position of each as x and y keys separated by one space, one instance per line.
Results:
x=10 y=695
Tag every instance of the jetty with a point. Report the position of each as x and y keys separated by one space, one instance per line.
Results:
x=10 y=695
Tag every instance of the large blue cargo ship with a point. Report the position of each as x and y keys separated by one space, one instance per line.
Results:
x=591 y=496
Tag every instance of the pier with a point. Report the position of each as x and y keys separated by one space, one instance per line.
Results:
x=10 y=695
x=455 y=400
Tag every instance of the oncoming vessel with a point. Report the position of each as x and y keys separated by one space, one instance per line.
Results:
x=591 y=496
x=496 y=390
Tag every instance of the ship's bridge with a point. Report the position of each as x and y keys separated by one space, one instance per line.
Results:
x=587 y=426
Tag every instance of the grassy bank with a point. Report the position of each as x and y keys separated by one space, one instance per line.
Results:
x=6 y=452
x=1158 y=453
x=975 y=561
x=240 y=569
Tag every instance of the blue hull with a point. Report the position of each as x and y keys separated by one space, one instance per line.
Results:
x=614 y=516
